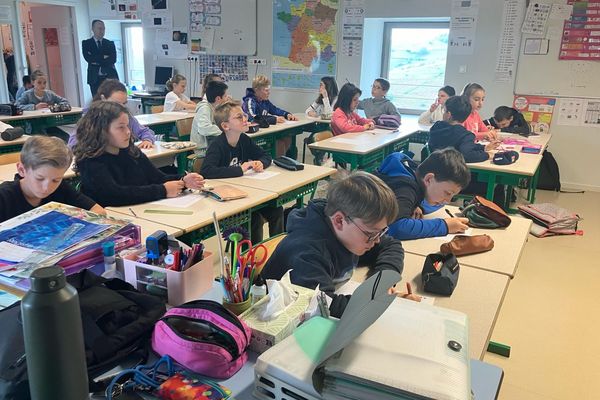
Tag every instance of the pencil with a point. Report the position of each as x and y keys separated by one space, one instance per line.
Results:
x=449 y=213
x=132 y=212
x=182 y=212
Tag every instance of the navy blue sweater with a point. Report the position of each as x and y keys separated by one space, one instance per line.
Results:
x=443 y=135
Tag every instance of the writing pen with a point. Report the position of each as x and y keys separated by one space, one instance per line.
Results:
x=132 y=212
x=449 y=213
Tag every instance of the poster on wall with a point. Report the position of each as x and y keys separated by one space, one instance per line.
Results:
x=352 y=27
x=463 y=24
x=536 y=18
x=537 y=110
x=160 y=19
x=570 y=111
x=581 y=33
x=230 y=68
x=508 y=43
x=171 y=43
x=114 y=9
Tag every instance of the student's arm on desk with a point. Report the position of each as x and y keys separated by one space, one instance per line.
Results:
x=410 y=228
x=98 y=209
x=141 y=132
x=471 y=151
x=387 y=254
x=211 y=169
x=256 y=153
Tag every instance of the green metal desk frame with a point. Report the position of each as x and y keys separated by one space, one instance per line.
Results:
x=268 y=142
x=12 y=148
x=33 y=126
x=511 y=180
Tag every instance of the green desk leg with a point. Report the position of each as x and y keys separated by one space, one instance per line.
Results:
x=499 y=348
x=182 y=162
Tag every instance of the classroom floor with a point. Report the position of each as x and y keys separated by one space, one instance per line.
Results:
x=550 y=314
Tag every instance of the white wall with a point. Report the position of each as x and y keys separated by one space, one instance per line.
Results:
x=114 y=33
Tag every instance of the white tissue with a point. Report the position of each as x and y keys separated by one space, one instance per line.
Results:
x=281 y=295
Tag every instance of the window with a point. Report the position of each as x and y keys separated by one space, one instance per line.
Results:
x=133 y=36
x=414 y=61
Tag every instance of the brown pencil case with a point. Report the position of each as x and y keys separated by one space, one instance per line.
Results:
x=462 y=245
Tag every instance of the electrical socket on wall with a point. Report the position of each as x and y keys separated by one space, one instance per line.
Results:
x=462 y=69
x=258 y=61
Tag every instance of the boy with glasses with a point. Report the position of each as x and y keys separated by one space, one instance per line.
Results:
x=233 y=153
x=326 y=238
x=378 y=104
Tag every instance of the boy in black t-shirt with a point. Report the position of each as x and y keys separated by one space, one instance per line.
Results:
x=44 y=161
x=232 y=154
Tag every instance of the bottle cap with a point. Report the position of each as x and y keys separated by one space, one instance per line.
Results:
x=108 y=249
x=47 y=279
x=259 y=281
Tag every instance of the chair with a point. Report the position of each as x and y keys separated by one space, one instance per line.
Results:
x=156 y=109
x=184 y=128
x=313 y=138
x=9 y=158
x=195 y=163
x=271 y=244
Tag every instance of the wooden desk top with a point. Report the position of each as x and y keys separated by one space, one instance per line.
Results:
x=285 y=181
x=148 y=227
x=20 y=140
x=163 y=117
x=8 y=171
x=363 y=142
x=527 y=164
x=503 y=258
x=479 y=294
x=39 y=114
x=202 y=209
x=302 y=120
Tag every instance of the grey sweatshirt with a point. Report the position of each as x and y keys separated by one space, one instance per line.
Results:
x=375 y=107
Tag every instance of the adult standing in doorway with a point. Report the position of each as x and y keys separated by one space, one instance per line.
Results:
x=100 y=55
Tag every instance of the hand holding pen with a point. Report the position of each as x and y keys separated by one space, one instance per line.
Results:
x=456 y=224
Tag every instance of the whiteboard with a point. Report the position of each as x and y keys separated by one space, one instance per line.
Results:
x=237 y=33
x=546 y=75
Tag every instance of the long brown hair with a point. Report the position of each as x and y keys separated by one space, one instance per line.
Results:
x=93 y=130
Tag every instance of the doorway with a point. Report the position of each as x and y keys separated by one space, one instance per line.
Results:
x=50 y=46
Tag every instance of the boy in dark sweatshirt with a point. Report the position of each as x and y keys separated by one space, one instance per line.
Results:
x=436 y=180
x=233 y=153
x=326 y=238
x=450 y=132
x=508 y=119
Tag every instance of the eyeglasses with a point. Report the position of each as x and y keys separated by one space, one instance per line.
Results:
x=241 y=117
x=371 y=236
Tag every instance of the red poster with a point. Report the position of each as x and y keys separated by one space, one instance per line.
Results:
x=537 y=110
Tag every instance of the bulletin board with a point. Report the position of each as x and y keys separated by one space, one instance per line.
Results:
x=546 y=75
x=114 y=9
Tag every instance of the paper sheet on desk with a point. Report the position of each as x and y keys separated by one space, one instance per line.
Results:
x=264 y=175
x=345 y=140
x=450 y=236
x=183 y=201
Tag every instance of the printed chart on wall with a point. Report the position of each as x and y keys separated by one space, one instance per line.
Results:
x=304 y=42
x=579 y=112
x=463 y=24
x=580 y=33
x=537 y=110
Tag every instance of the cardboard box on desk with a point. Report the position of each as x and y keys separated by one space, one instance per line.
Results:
x=265 y=334
x=179 y=286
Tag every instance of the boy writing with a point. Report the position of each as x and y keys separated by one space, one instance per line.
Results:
x=44 y=161
x=326 y=238
x=378 y=104
x=508 y=119
x=450 y=132
x=233 y=153
x=436 y=180
x=204 y=129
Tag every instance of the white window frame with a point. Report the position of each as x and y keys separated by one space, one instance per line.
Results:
x=126 y=60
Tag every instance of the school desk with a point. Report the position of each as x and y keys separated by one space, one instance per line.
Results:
x=198 y=225
x=147 y=227
x=289 y=185
x=479 y=294
x=38 y=120
x=526 y=167
x=148 y=100
x=159 y=156
x=502 y=259
x=163 y=123
x=267 y=137
x=12 y=146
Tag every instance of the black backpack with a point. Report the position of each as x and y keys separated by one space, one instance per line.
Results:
x=549 y=178
x=117 y=323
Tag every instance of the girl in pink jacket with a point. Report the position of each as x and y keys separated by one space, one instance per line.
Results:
x=476 y=95
x=344 y=118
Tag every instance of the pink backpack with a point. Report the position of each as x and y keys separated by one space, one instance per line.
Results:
x=203 y=337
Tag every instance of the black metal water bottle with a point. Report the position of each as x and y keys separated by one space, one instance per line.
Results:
x=53 y=335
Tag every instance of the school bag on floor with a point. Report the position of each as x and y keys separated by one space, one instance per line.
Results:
x=550 y=219
x=549 y=178
x=117 y=323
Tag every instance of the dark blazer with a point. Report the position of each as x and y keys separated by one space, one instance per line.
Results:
x=103 y=58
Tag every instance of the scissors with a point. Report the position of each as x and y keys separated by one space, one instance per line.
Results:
x=250 y=259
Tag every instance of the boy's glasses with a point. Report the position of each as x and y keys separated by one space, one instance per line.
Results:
x=371 y=236
x=240 y=117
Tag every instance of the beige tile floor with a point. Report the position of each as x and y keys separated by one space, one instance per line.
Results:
x=550 y=314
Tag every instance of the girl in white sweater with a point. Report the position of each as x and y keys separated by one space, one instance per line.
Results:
x=323 y=105
x=436 y=110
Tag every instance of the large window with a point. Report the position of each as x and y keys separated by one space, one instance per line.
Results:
x=133 y=36
x=414 y=61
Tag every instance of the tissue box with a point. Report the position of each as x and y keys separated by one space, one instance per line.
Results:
x=265 y=334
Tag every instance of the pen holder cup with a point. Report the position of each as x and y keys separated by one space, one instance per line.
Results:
x=237 y=308
x=177 y=287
